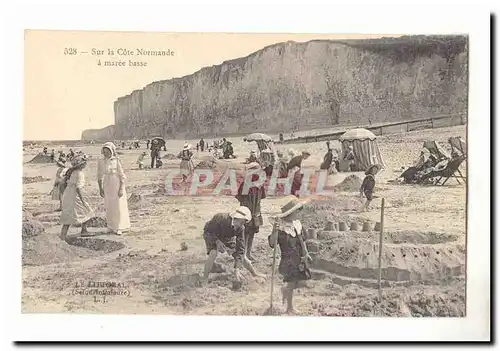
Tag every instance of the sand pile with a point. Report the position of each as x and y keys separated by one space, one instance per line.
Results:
x=449 y=301
x=37 y=179
x=357 y=257
x=96 y=222
x=41 y=158
x=136 y=201
x=318 y=212
x=169 y=157
x=351 y=183
x=31 y=226
x=206 y=164
x=49 y=249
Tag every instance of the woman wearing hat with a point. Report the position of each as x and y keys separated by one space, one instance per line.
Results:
x=225 y=232
x=187 y=166
x=289 y=235
x=251 y=199
x=111 y=180
x=75 y=208
x=59 y=183
x=368 y=185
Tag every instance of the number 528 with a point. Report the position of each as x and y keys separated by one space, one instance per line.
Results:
x=69 y=51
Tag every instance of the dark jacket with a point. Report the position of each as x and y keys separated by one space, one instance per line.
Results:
x=295 y=162
x=252 y=201
x=220 y=226
x=368 y=183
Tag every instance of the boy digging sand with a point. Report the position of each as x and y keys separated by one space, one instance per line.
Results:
x=368 y=185
x=226 y=232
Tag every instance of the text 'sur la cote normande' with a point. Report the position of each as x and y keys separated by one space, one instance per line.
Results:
x=114 y=57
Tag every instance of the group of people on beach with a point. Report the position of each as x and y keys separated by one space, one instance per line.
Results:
x=232 y=232
x=69 y=190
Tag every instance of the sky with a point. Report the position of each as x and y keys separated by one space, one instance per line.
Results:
x=65 y=94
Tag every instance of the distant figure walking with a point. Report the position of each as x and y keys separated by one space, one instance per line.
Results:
x=281 y=138
x=187 y=165
x=111 y=180
x=155 y=152
x=53 y=155
x=75 y=208
x=147 y=144
x=202 y=144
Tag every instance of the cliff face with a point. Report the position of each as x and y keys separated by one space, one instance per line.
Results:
x=304 y=85
x=107 y=133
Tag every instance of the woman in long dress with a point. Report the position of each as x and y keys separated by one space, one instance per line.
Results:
x=187 y=166
x=59 y=183
x=111 y=179
x=75 y=208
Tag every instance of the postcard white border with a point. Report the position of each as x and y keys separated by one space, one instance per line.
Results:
x=425 y=18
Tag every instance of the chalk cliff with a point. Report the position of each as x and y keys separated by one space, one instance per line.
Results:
x=107 y=133
x=303 y=85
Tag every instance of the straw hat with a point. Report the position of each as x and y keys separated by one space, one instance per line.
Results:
x=370 y=169
x=187 y=146
x=293 y=204
x=253 y=165
x=242 y=212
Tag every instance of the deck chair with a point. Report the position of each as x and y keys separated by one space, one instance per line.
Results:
x=437 y=150
x=450 y=171
x=458 y=145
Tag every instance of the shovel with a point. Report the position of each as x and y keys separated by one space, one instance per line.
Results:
x=270 y=311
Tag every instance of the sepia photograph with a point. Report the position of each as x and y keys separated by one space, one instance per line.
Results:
x=292 y=165
x=238 y=174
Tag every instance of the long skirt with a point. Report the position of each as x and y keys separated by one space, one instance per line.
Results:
x=187 y=167
x=117 y=215
x=74 y=211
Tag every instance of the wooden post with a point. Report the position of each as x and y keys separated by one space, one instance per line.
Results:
x=432 y=123
x=380 y=250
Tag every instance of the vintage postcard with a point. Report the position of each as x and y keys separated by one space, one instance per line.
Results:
x=240 y=174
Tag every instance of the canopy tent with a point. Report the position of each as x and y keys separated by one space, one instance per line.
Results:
x=365 y=148
x=257 y=137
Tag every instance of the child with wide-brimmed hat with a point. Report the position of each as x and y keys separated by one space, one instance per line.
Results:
x=368 y=185
x=289 y=234
x=225 y=232
x=75 y=208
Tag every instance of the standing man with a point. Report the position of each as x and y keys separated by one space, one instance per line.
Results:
x=202 y=144
x=296 y=164
x=147 y=144
x=251 y=200
x=155 y=152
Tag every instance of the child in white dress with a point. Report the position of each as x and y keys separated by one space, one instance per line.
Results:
x=111 y=179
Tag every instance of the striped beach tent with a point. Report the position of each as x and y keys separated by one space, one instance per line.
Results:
x=365 y=148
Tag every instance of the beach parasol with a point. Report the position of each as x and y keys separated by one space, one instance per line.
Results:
x=257 y=137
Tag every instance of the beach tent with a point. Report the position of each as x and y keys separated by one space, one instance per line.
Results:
x=365 y=148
